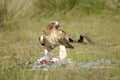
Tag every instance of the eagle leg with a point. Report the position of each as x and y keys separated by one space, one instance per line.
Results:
x=48 y=55
x=63 y=53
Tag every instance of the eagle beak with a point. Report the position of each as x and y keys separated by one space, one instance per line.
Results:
x=56 y=24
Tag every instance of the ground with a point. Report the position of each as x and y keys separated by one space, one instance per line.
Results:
x=22 y=44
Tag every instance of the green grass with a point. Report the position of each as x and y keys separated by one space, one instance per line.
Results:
x=21 y=44
x=12 y=12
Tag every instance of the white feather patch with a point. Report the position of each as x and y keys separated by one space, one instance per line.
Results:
x=41 y=38
x=60 y=32
x=63 y=53
x=56 y=23
x=46 y=51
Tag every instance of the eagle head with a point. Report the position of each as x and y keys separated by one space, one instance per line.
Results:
x=53 y=24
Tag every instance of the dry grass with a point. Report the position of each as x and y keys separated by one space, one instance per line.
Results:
x=21 y=44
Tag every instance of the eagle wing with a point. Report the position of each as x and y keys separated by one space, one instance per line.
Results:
x=64 y=39
x=42 y=38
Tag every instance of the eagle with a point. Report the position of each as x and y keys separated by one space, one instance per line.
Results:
x=52 y=36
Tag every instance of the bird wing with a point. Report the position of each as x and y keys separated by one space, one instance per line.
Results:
x=64 y=39
x=42 y=38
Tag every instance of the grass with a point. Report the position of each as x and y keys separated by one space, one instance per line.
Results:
x=20 y=44
x=12 y=12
